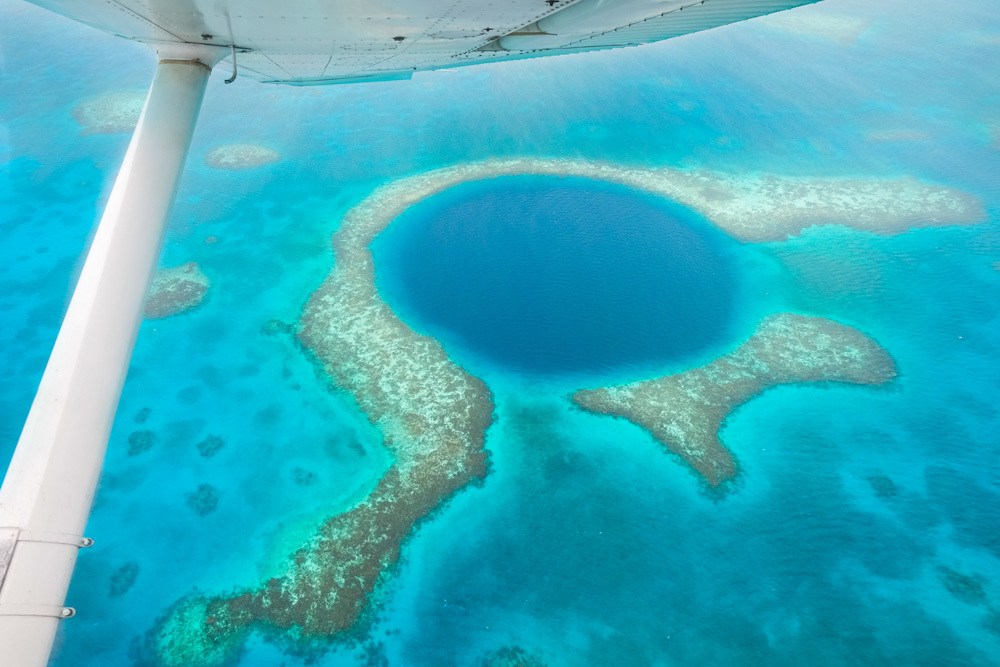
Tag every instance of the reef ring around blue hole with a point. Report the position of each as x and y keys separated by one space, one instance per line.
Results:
x=558 y=276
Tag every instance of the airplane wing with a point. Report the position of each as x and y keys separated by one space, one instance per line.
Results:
x=306 y=42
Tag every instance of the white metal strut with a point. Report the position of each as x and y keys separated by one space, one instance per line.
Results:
x=49 y=487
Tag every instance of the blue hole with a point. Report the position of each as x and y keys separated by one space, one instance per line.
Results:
x=556 y=276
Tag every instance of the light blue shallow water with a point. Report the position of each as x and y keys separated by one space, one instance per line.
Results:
x=587 y=544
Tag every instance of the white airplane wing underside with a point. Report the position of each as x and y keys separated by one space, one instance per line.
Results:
x=339 y=41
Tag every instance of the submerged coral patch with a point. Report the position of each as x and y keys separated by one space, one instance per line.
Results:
x=123 y=579
x=511 y=656
x=967 y=588
x=241 y=156
x=750 y=207
x=140 y=441
x=210 y=446
x=110 y=113
x=684 y=412
x=176 y=290
x=883 y=487
x=203 y=500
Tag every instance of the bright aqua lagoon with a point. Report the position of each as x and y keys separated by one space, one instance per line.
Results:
x=862 y=526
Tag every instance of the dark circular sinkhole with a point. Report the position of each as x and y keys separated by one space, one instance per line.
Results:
x=556 y=276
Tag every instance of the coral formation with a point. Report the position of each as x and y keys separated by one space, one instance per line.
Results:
x=511 y=656
x=684 y=412
x=140 y=441
x=123 y=579
x=968 y=589
x=110 y=113
x=142 y=415
x=303 y=477
x=749 y=207
x=883 y=486
x=433 y=418
x=992 y=622
x=176 y=290
x=241 y=156
x=210 y=446
x=203 y=500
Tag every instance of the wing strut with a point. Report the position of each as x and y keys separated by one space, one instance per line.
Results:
x=47 y=493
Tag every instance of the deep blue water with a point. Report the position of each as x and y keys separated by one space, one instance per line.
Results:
x=551 y=275
x=586 y=544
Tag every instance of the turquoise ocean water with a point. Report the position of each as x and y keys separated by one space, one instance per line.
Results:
x=587 y=544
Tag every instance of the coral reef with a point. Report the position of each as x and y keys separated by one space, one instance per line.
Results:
x=433 y=415
x=110 y=113
x=241 y=156
x=433 y=418
x=992 y=622
x=203 y=500
x=176 y=290
x=210 y=446
x=968 y=589
x=123 y=579
x=511 y=656
x=685 y=411
x=140 y=441
x=142 y=415
x=883 y=486
x=749 y=207
x=303 y=477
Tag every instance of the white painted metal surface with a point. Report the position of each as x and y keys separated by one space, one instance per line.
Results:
x=336 y=41
x=47 y=493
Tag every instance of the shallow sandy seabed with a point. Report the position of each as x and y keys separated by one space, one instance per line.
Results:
x=110 y=113
x=176 y=290
x=433 y=415
x=684 y=412
x=241 y=156
x=897 y=135
x=843 y=30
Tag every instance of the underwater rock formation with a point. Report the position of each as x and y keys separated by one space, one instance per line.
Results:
x=685 y=411
x=140 y=441
x=203 y=500
x=110 y=113
x=883 y=486
x=176 y=290
x=123 y=579
x=511 y=656
x=210 y=446
x=303 y=477
x=241 y=156
x=967 y=588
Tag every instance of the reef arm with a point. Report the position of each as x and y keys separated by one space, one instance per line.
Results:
x=433 y=417
x=685 y=412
